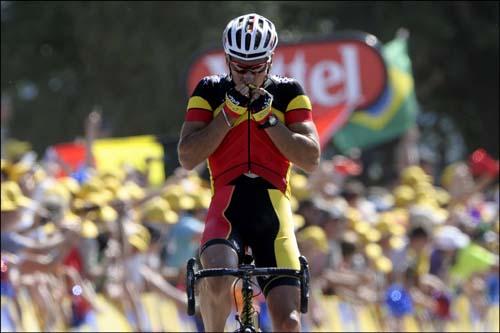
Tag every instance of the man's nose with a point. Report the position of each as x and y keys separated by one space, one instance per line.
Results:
x=248 y=77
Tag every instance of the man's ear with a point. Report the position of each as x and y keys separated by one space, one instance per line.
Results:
x=270 y=64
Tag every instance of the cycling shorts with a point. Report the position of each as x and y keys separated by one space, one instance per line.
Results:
x=250 y=212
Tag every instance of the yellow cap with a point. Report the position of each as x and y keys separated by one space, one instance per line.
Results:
x=362 y=228
x=298 y=185
x=39 y=175
x=112 y=184
x=137 y=235
x=202 y=198
x=373 y=250
x=158 y=210
x=130 y=191
x=49 y=228
x=11 y=192
x=89 y=229
x=413 y=175
x=298 y=221
x=448 y=174
x=15 y=148
x=316 y=235
x=383 y=264
x=442 y=196
x=71 y=184
x=397 y=242
x=15 y=171
x=5 y=164
x=373 y=235
x=117 y=174
x=93 y=185
x=107 y=214
x=403 y=195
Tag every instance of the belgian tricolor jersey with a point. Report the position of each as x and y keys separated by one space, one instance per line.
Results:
x=247 y=148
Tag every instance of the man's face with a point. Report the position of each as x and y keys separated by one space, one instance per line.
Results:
x=252 y=72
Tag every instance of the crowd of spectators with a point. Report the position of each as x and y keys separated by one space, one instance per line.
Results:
x=414 y=247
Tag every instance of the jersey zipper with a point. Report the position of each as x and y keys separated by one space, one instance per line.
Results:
x=249 y=163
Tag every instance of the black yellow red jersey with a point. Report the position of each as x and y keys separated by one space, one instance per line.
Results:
x=247 y=148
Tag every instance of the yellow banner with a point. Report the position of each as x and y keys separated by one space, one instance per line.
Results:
x=112 y=153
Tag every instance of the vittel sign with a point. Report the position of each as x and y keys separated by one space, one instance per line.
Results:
x=346 y=70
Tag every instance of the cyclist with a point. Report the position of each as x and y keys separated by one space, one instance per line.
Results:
x=251 y=126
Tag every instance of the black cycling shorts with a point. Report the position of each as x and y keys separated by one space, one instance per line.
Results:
x=252 y=212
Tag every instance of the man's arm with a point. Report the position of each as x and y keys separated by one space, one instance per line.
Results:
x=298 y=142
x=199 y=140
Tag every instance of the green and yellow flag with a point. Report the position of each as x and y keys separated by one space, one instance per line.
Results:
x=393 y=113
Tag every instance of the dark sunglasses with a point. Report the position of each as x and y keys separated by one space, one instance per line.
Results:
x=254 y=69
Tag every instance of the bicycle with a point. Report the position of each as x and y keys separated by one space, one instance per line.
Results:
x=245 y=271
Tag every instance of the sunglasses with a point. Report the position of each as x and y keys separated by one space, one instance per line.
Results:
x=254 y=69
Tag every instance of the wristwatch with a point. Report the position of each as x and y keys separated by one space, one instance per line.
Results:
x=271 y=121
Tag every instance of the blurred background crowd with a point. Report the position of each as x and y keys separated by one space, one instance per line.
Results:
x=399 y=223
x=106 y=250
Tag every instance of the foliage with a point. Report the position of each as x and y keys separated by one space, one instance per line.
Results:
x=59 y=59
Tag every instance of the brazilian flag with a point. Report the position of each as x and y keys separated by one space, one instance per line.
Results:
x=393 y=113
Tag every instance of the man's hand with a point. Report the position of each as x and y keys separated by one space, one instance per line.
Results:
x=236 y=101
x=260 y=105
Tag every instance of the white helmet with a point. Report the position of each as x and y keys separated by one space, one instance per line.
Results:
x=250 y=37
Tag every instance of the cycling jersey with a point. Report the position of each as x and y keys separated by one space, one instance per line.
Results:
x=247 y=148
x=252 y=211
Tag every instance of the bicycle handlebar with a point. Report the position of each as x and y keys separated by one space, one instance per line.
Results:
x=246 y=271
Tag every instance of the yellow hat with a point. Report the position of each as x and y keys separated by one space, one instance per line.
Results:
x=350 y=237
x=93 y=198
x=15 y=148
x=352 y=216
x=298 y=221
x=448 y=174
x=49 y=228
x=316 y=235
x=137 y=235
x=373 y=235
x=425 y=189
x=298 y=185
x=182 y=202
x=5 y=164
x=71 y=184
x=117 y=174
x=202 y=198
x=15 y=171
x=130 y=191
x=442 y=196
x=397 y=242
x=158 y=210
x=93 y=185
x=89 y=229
x=138 y=242
x=362 y=228
x=112 y=184
x=413 y=175
x=13 y=197
x=39 y=175
x=383 y=264
x=373 y=250
x=403 y=195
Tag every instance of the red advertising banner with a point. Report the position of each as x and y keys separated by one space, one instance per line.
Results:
x=338 y=75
